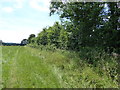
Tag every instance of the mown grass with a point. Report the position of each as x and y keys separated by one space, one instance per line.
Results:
x=47 y=67
x=0 y=67
x=22 y=69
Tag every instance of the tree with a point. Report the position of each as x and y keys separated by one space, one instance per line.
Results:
x=84 y=16
x=114 y=23
x=93 y=24
x=42 y=37
x=24 y=41
x=30 y=38
x=50 y=35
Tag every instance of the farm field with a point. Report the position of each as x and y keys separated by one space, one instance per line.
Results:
x=26 y=67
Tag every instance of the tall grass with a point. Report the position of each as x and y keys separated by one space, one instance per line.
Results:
x=48 y=67
x=90 y=67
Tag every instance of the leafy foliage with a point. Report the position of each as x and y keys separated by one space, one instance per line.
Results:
x=31 y=38
x=92 y=24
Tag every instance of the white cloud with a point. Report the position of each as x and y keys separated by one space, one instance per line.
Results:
x=41 y=5
x=14 y=4
x=8 y=9
x=19 y=3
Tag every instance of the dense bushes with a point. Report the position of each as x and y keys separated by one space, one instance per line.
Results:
x=66 y=37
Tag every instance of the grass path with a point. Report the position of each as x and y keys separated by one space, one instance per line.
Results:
x=13 y=71
x=0 y=67
x=22 y=69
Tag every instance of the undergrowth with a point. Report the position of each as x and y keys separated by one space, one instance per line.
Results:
x=88 y=68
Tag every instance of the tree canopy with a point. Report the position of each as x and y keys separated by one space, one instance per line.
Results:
x=92 y=24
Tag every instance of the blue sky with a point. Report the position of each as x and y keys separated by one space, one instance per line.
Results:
x=20 y=18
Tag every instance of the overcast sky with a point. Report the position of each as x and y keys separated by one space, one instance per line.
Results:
x=20 y=18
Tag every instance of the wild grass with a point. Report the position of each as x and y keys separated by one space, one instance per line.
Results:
x=0 y=67
x=48 y=67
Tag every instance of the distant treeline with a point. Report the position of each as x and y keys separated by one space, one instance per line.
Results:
x=23 y=43
x=12 y=44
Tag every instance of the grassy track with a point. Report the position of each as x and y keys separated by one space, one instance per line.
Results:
x=0 y=67
x=25 y=67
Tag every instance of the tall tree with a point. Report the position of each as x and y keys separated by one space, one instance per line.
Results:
x=84 y=16
x=30 y=38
